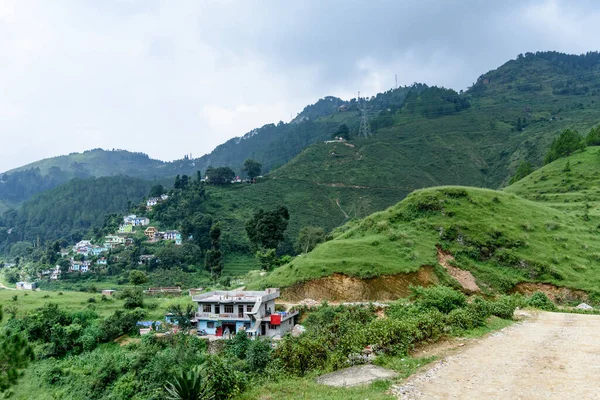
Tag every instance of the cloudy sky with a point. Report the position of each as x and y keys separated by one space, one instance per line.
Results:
x=174 y=77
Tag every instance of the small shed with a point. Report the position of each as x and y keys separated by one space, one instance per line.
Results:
x=26 y=285
x=108 y=292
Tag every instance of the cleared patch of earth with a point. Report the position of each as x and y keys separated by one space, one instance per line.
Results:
x=550 y=356
x=339 y=287
x=465 y=278
x=354 y=376
x=555 y=293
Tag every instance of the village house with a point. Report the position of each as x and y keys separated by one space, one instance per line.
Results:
x=112 y=241
x=152 y=201
x=83 y=247
x=227 y=312
x=79 y=266
x=140 y=221
x=164 y=197
x=150 y=232
x=97 y=250
x=102 y=261
x=172 y=235
x=108 y=292
x=125 y=228
x=145 y=258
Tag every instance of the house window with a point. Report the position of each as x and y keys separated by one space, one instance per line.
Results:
x=249 y=307
x=228 y=308
x=210 y=324
x=207 y=308
x=272 y=327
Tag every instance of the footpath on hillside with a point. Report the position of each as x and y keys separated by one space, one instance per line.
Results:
x=550 y=356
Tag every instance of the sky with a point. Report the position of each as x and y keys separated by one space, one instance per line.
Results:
x=169 y=78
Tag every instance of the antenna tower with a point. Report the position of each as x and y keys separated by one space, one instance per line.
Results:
x=365 y=128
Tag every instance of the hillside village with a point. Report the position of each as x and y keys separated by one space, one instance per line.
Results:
x=87 y=257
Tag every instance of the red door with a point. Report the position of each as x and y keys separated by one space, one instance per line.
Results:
x=220 y=331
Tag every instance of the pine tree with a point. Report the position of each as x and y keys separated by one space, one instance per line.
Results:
x=214 y=257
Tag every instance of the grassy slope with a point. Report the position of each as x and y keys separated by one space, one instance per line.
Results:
x=501 y=238
x=572 y=192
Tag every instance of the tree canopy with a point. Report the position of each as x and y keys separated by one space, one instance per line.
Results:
x=219 y=175
x=565 y=144
x=265 y=229
x=252 y=168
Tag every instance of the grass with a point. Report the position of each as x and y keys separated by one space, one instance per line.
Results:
x=75 y=301
x=492 y=324
x=501 y=238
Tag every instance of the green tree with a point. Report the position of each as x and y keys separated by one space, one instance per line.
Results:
x=189 y=385
x=137 y=278
x=523 y=170
x=308 y=238
x=567 y=167
x=157 y=190
x=343 y=131
x=565 y=144
x=183 y=316
x=219 y=176
x=213 y=260
x=15 y=354
x=265 y=229
x=593 y=137
x=252 y=168
x=267 y=258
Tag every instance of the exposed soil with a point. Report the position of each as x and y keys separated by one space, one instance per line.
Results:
x=555 y=293
x=465 y=278
x=339 y=287
x=354 y=376
x=550 y=356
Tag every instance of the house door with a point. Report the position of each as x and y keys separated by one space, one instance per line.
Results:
x=263 y=329
x=241 y=311
x=219 y=331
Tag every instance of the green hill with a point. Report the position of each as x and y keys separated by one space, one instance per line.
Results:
x=500 y=238
x=576 y=191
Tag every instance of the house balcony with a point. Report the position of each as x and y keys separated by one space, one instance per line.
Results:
x=223 y=317
x=278 y=317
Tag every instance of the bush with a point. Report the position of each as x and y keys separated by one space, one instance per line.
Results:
x=134 y=298
x=442 y=298
x=91 y=300
x=504 y=307
x=259 y=354
x=223 y=379
x=460 y=319
x=541 y=301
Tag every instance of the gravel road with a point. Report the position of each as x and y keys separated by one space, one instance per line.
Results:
x=550 y=356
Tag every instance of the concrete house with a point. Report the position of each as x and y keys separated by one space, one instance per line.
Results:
x=221 y=312
x=97 y=250
x=112 y=241
x=141 y=221
x=125 y=228
x=152 y=201
x=173 y=235
x=150 y=232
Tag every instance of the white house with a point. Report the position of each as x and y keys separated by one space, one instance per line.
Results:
x=222 y=312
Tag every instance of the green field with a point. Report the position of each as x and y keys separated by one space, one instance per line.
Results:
x=76 y=301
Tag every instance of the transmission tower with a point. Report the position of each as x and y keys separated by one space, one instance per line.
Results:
x=365 y=128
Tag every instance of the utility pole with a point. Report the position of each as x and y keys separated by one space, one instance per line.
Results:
x=396 y=81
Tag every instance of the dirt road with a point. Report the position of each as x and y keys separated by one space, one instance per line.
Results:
x=550 y=356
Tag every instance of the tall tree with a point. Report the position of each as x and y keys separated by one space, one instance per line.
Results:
x=15 y=354
x=252 y=168
x=308 y=238
x=265 y=229
x=156 y=190
x=219 y=176
x=565 y=144
x=183 y=316
x=214 y=257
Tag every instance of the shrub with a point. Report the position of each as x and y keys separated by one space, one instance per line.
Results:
x=541 y=301
x=223 y=379
x=259 y=354
x=442 y=298
x=91 y=300
x=393 y=336
x=504 y=307
x=460 y=319
x=134 y=298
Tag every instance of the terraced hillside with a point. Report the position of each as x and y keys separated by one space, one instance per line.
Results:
x=500 y=238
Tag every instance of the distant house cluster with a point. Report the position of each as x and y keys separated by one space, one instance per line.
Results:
x=86 y=248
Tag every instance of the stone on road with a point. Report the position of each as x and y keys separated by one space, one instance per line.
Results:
x=551 y=356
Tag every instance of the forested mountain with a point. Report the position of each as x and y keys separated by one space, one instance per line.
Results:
x=272 y=145
x=71 y=210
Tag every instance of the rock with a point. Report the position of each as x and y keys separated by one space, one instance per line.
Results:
x=297 y=330
x=584 y=306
